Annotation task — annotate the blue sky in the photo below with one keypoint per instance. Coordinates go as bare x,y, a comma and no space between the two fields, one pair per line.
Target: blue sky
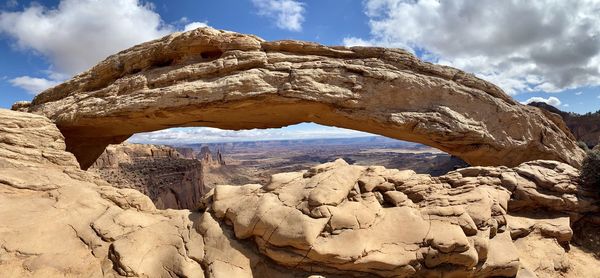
539,50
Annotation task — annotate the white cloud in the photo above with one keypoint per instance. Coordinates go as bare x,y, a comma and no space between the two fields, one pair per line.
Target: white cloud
578,93
288,14
566,105
33,85
353,41
521,46
194,25
208,134
554,101
79,33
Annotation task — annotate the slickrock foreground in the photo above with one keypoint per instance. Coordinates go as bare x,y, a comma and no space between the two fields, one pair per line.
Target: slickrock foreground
208,77
334,220
57,220
375,221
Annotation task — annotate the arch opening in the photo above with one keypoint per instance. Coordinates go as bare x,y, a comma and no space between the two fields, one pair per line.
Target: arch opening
88,140
177,167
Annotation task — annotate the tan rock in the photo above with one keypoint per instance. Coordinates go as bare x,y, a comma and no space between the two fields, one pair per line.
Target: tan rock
208,77
455,225
160,172
552,226
60,221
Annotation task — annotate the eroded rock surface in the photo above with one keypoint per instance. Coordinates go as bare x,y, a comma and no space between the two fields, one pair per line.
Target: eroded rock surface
342,218
208,77
60,221
585,128
333,220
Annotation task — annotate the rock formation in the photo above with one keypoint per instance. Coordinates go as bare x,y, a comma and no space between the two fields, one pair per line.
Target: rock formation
207,77
207,157
340,218
220,158
334,220
585,127
160,172
186,152
60,221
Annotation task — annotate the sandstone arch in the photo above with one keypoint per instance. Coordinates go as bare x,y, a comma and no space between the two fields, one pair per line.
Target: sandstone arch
208,77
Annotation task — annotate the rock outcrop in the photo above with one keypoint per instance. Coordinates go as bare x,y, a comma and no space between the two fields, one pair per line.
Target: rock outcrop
334,220
207,77
60,221
160,172
585,128
207,157
365,221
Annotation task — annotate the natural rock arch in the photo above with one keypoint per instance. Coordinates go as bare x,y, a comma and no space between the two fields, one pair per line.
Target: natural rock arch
208,77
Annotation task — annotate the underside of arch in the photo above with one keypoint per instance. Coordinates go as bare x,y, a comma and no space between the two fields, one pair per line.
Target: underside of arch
207,77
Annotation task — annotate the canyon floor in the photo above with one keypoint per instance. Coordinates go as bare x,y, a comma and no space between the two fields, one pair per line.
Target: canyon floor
255,162
178,176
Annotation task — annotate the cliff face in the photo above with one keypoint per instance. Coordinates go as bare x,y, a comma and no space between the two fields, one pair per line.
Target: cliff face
160,172
172,177
585,127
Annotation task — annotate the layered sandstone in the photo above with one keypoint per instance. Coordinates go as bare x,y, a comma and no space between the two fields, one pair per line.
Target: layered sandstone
333,220
207,77
60,221
160,172
373,221
585,128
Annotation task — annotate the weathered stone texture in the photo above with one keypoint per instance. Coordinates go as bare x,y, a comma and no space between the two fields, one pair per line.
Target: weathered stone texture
208,77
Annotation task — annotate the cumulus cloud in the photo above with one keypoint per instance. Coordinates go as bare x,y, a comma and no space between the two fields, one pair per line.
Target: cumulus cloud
288,14
521,46
194,25
77,34
210,135
554,101
33,85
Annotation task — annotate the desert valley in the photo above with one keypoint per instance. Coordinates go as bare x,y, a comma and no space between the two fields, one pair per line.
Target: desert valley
178,176
450,177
